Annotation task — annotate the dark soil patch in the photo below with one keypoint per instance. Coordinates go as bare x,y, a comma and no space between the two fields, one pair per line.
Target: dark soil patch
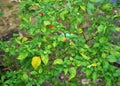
9,35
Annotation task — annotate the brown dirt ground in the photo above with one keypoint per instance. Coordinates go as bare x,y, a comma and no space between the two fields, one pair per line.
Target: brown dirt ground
9,21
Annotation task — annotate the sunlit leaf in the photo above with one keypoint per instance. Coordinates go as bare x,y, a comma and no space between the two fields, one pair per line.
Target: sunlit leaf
63,13
25,76
36,61
24,39
22,56
45,59
106,7
43,30
58,61
72,72
78,63
54,44
94,64
65,71
83,8
103,40
117,29
84,56
80,30
33,72
46,23
71,58
25,19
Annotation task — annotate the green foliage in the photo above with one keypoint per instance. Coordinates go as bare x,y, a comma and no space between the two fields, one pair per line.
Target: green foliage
66,34
1,13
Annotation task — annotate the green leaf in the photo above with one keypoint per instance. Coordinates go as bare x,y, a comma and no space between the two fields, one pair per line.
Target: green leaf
45,59
25,76
58,61
117,73
78,63
101,28
115,53
112,58
103,40
46,23
24,39
108,82
107,7
116,16
1,13
22,56
40,70
33,73
88,72
117,29
66,71
90,8
83,63
104,55
83,7
54,44
80,30
72,72
94,76
106,65
43,30
96,1
62,14
84,56
2,78
25,19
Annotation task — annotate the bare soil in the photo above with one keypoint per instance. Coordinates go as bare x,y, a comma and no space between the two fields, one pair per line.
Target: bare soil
9,21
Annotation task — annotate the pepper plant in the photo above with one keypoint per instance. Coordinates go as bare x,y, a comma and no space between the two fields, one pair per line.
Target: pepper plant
65,37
